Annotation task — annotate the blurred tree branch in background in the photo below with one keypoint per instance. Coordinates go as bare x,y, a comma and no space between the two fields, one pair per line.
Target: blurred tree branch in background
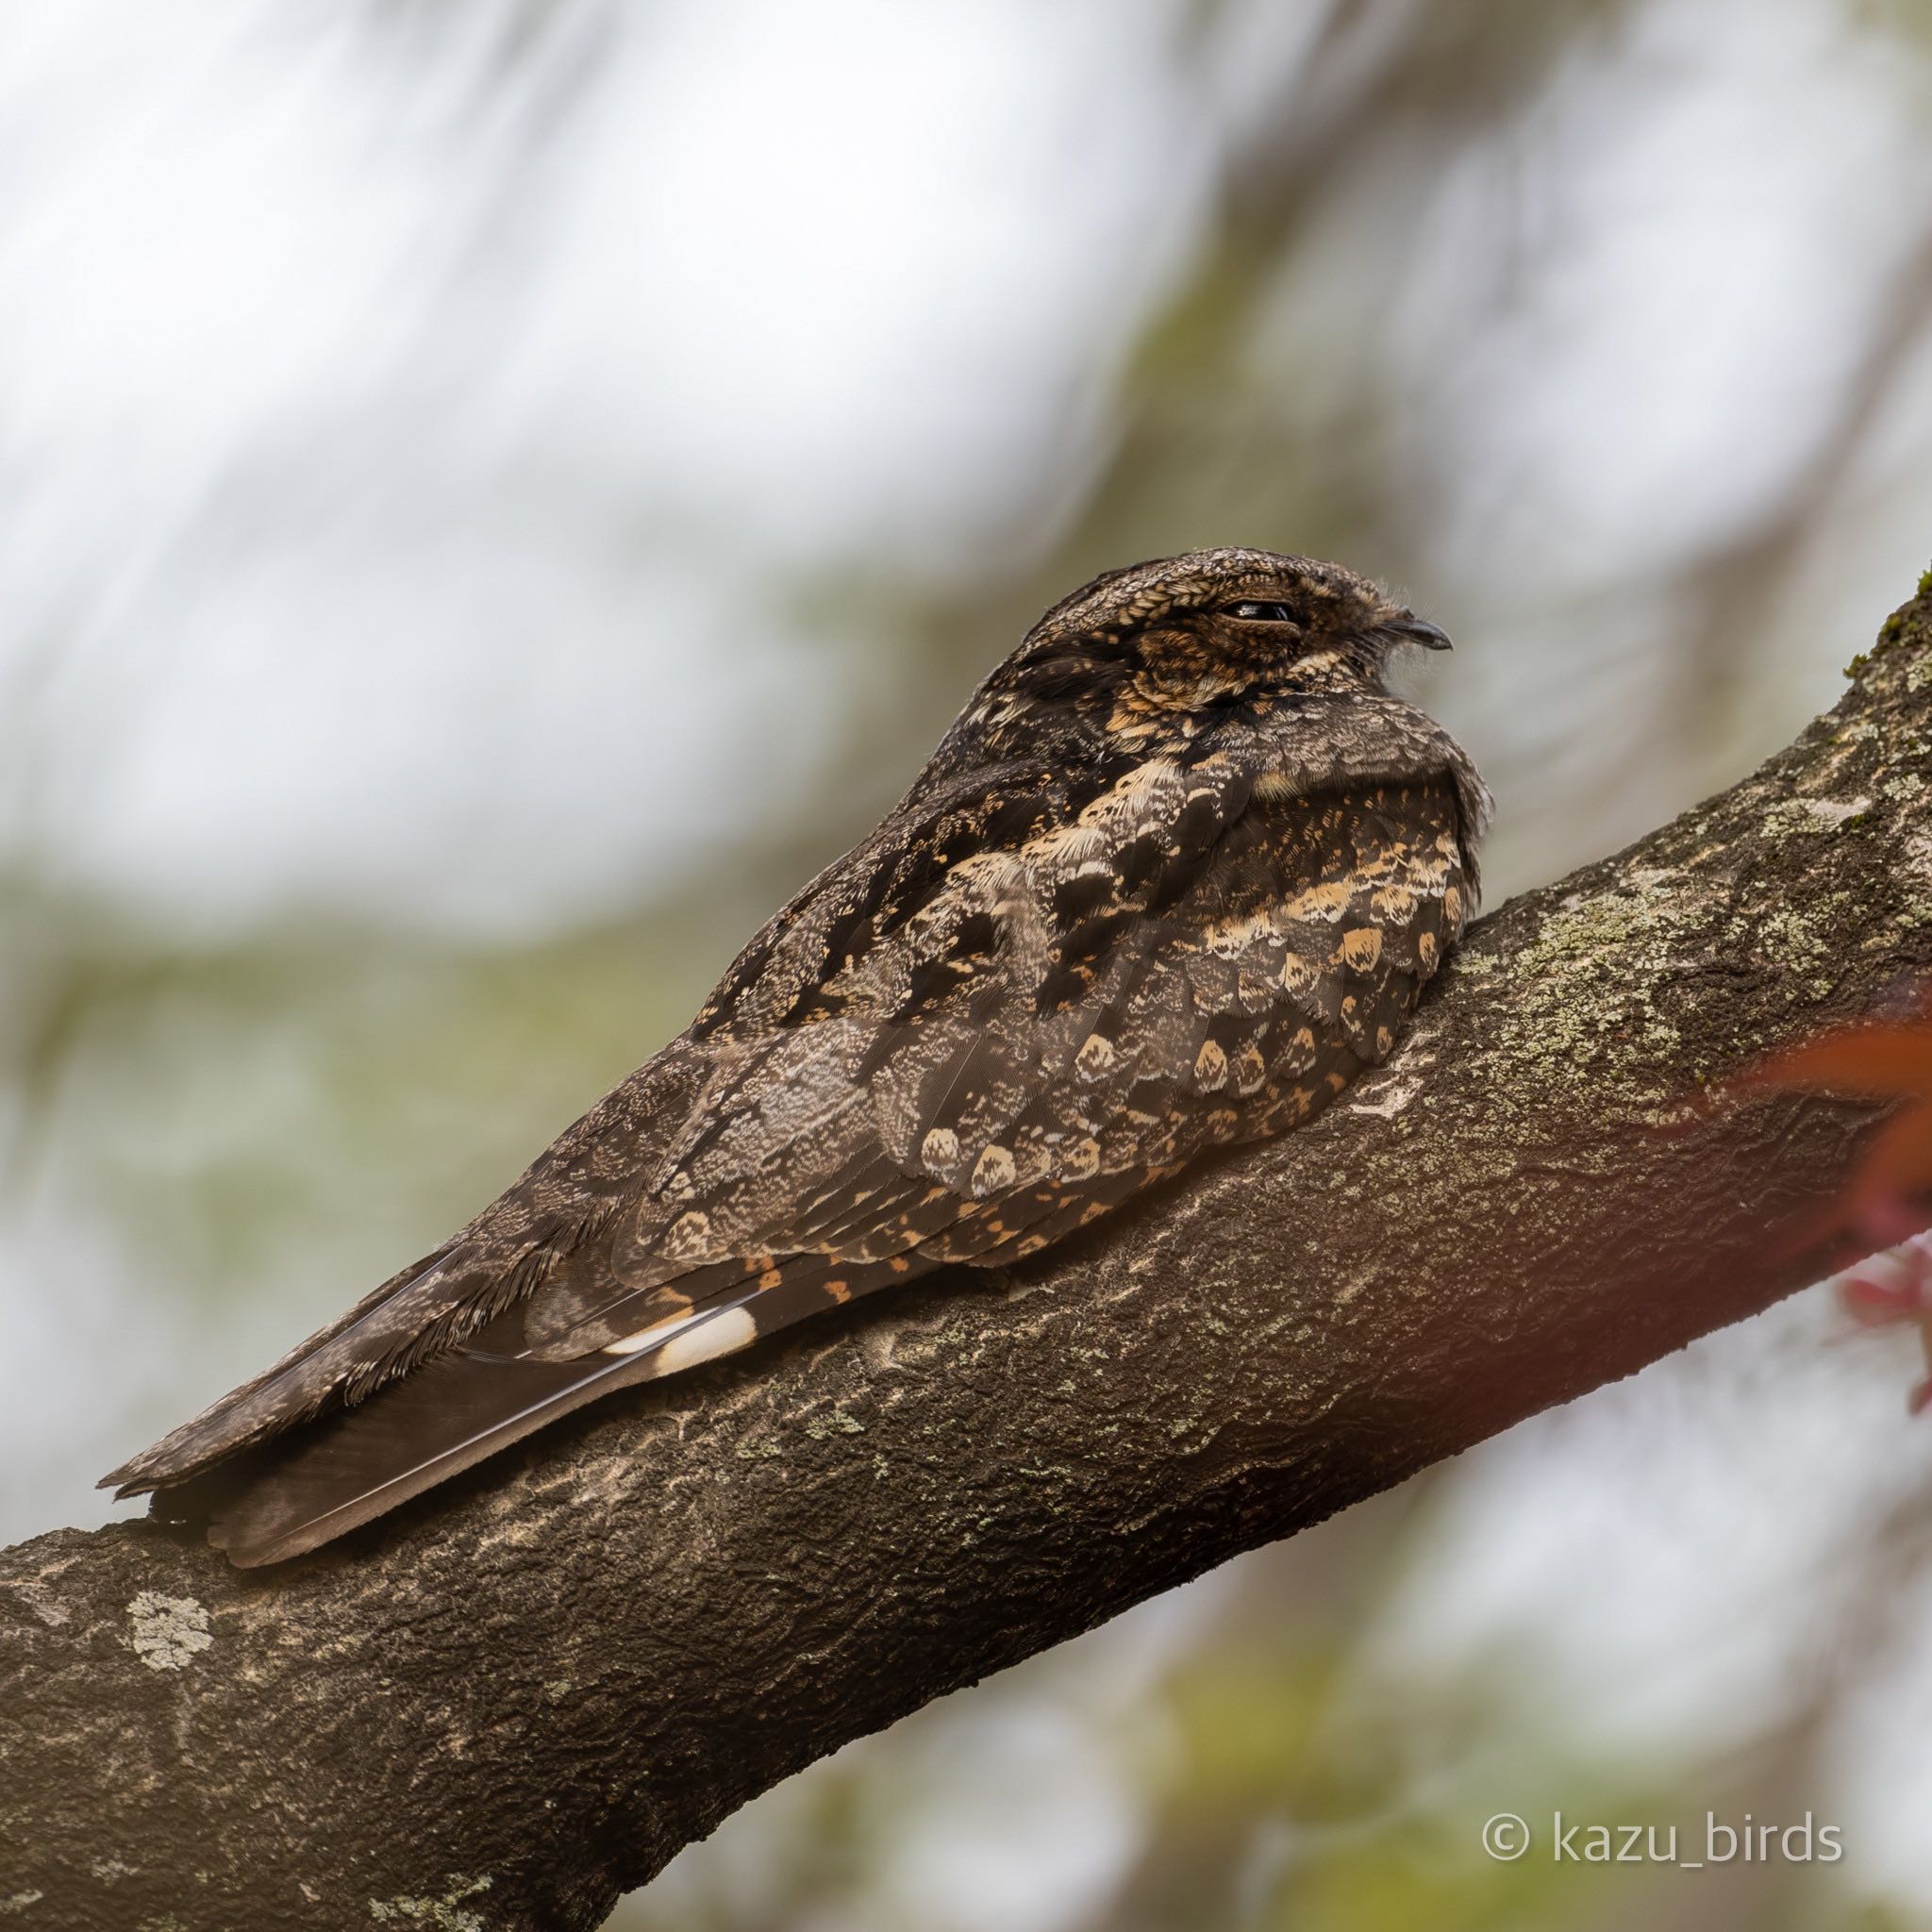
511,1706
1729,596
1225,418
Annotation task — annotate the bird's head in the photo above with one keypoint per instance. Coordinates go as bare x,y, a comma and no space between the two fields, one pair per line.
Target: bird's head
1160,651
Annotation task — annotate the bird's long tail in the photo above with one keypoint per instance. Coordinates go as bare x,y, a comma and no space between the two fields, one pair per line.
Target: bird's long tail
307,1487
298,1490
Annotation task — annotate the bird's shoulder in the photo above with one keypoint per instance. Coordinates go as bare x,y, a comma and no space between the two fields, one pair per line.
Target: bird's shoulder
992,877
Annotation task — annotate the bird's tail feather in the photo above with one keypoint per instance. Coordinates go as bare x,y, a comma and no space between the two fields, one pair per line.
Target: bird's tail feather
306,1489
410,1309
297,1491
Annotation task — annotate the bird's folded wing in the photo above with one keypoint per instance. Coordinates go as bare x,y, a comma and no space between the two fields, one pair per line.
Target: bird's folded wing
1048,1028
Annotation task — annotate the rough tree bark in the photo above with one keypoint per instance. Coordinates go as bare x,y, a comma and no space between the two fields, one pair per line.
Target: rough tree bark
519,1698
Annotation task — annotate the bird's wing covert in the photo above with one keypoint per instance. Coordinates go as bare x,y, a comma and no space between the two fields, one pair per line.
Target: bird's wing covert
1059,1021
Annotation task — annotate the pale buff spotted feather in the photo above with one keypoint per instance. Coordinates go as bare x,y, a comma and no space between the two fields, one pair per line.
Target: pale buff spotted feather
1176,876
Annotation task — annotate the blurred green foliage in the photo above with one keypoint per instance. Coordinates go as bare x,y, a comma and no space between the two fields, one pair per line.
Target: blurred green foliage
253,1128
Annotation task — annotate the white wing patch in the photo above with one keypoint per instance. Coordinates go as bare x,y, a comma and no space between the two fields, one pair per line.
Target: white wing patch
691,1339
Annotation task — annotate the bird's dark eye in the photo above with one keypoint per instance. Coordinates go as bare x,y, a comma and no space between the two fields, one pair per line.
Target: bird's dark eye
1261,613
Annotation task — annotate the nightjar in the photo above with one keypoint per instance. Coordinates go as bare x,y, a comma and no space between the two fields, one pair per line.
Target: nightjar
1180,872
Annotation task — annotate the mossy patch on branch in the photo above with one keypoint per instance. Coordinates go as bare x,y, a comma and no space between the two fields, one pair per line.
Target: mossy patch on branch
1586,1014
445,1913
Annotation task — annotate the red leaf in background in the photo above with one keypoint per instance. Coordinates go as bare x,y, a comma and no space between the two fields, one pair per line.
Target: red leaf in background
1883,1060
1886,1200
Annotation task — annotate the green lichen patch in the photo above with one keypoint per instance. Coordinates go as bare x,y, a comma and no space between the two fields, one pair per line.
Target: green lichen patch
1918,854
1813,817
1588,1017
838,1423
169,1631
1801,939
444,1914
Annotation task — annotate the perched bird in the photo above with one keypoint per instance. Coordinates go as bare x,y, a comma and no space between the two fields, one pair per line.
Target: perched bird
1175,877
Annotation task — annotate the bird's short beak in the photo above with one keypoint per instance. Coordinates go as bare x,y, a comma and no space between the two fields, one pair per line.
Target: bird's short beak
1419,630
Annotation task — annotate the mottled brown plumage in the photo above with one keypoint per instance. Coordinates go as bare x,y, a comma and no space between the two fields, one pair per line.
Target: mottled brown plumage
1178,873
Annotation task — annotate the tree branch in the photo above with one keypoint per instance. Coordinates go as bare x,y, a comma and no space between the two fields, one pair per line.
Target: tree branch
517,1698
